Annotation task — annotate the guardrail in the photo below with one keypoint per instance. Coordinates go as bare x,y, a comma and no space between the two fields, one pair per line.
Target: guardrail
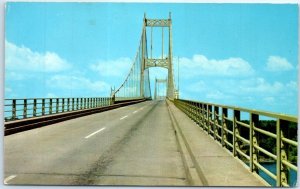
16,109
14,126
247,139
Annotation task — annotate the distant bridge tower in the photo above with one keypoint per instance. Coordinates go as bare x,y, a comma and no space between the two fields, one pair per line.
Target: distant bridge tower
156,89
164,62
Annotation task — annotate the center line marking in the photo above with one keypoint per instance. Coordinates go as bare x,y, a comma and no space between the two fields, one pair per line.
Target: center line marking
9,178
95,132
123,117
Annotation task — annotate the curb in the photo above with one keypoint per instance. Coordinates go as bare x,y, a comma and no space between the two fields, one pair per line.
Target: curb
194,174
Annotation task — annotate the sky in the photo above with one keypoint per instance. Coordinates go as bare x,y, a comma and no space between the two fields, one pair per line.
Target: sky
234,54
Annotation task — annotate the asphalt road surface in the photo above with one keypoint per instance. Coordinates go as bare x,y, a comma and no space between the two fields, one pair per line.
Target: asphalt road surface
133,145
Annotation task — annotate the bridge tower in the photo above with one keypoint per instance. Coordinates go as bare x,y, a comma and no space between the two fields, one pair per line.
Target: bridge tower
156,89
164,62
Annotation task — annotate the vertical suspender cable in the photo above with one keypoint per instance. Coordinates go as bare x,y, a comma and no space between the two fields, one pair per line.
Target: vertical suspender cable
162,53
151,40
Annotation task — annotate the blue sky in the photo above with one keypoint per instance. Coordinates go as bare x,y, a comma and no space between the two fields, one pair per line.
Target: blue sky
235,54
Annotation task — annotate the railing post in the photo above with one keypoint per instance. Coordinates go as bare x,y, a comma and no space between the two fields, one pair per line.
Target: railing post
14,109
235,142
34,108
281,169
50,106
63,105
68,104
224,126
194,111
43,106
84,103
77,103
25,109
254,120
205,116
216,121
57,105
198,113
209,117
72,102
73,105
190,110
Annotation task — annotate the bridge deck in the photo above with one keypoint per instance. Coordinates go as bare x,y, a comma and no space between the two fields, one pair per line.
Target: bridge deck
133,145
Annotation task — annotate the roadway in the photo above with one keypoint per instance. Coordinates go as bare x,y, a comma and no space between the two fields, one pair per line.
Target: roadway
132,145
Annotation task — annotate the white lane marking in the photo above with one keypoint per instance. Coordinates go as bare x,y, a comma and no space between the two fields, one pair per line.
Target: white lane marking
135,111
9,178
95,132
123,117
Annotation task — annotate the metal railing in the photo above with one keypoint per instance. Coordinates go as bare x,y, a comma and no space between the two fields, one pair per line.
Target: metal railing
246,139
16,109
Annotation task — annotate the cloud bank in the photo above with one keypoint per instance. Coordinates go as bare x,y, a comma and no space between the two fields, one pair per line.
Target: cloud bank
277,63
23,58
199,65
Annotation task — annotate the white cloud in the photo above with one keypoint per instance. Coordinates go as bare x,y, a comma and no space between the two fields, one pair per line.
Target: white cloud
77,82
200,65
113,68
24,59
259,85
292,85
247,90
277,63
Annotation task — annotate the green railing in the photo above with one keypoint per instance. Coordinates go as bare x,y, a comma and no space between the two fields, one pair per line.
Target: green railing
33,107
246,138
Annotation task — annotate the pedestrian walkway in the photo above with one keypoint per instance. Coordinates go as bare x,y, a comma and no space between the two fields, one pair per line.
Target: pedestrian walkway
214,164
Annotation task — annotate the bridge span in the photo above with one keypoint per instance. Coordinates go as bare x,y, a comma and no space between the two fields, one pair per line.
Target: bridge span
149,143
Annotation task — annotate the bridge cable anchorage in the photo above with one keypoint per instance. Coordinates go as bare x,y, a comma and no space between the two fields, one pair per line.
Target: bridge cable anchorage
137,83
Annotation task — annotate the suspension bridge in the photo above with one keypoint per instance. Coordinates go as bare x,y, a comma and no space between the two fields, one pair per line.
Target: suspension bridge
131,139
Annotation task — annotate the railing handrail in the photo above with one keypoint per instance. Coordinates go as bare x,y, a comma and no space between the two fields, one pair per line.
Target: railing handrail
282,116
226,129
23,108
50,98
